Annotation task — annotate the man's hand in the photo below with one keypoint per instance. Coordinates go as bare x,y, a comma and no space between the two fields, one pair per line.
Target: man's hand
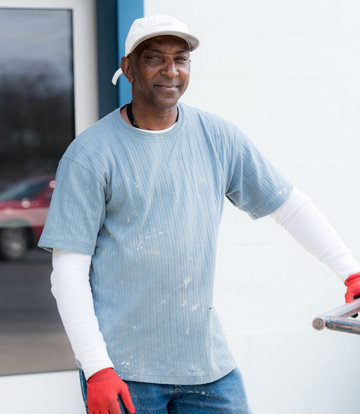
103,389
353,287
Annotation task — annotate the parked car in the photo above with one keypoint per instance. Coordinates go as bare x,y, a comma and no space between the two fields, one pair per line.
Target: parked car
23,210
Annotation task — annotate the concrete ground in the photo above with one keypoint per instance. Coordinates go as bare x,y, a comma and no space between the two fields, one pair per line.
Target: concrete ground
32,338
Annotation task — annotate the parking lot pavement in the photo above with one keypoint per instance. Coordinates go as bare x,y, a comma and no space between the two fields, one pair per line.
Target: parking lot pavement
32,338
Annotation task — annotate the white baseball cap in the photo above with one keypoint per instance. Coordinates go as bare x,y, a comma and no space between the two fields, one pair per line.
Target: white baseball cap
155,25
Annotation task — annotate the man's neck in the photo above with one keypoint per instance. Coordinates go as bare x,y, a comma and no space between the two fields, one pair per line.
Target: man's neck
151,118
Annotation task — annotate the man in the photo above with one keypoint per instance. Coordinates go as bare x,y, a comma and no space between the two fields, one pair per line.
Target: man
137,204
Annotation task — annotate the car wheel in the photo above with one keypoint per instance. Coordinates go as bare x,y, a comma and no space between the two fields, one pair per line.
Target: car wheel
13,242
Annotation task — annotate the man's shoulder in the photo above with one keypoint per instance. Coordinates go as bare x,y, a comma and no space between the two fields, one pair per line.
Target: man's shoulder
104,127
210,119
220,130
94,139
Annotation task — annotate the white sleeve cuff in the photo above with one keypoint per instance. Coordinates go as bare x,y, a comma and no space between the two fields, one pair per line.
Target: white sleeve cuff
94,360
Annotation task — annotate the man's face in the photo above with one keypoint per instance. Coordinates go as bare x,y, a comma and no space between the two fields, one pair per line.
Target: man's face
160,71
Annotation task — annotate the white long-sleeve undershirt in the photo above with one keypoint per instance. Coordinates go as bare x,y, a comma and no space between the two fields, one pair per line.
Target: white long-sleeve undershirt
70,283
70,286
310,228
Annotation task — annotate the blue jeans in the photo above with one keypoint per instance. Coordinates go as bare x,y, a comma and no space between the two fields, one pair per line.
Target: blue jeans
224,396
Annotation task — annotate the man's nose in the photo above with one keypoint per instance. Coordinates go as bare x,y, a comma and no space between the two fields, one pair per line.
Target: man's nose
170,69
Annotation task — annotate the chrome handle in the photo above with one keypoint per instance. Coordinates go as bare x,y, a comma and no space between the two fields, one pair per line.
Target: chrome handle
338,319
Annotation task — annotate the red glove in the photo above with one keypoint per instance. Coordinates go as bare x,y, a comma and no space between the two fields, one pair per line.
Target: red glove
103,389
353,287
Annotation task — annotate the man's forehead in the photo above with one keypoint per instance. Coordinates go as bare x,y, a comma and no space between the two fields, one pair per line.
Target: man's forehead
164,43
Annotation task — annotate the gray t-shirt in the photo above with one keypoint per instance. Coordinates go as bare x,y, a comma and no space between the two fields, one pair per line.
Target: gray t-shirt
148,208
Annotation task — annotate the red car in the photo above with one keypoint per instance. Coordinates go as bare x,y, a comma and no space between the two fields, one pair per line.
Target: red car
23,210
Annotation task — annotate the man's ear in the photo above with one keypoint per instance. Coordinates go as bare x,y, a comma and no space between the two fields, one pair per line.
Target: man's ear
126,68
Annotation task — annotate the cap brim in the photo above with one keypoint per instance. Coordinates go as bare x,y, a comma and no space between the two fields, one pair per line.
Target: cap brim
192,41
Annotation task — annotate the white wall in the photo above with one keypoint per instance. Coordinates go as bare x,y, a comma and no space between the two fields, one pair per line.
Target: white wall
55,393
287,72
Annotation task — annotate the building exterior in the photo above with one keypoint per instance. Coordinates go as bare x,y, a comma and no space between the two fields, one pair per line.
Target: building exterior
287,74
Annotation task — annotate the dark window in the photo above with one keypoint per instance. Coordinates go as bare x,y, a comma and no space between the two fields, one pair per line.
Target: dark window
36,126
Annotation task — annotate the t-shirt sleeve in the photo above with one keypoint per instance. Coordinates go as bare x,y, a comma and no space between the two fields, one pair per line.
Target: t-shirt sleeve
253,184
76,211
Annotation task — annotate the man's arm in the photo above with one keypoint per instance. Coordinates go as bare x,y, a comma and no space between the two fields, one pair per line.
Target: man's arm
309,227
71,288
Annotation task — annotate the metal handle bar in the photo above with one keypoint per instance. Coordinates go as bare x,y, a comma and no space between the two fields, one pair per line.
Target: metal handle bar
337,319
